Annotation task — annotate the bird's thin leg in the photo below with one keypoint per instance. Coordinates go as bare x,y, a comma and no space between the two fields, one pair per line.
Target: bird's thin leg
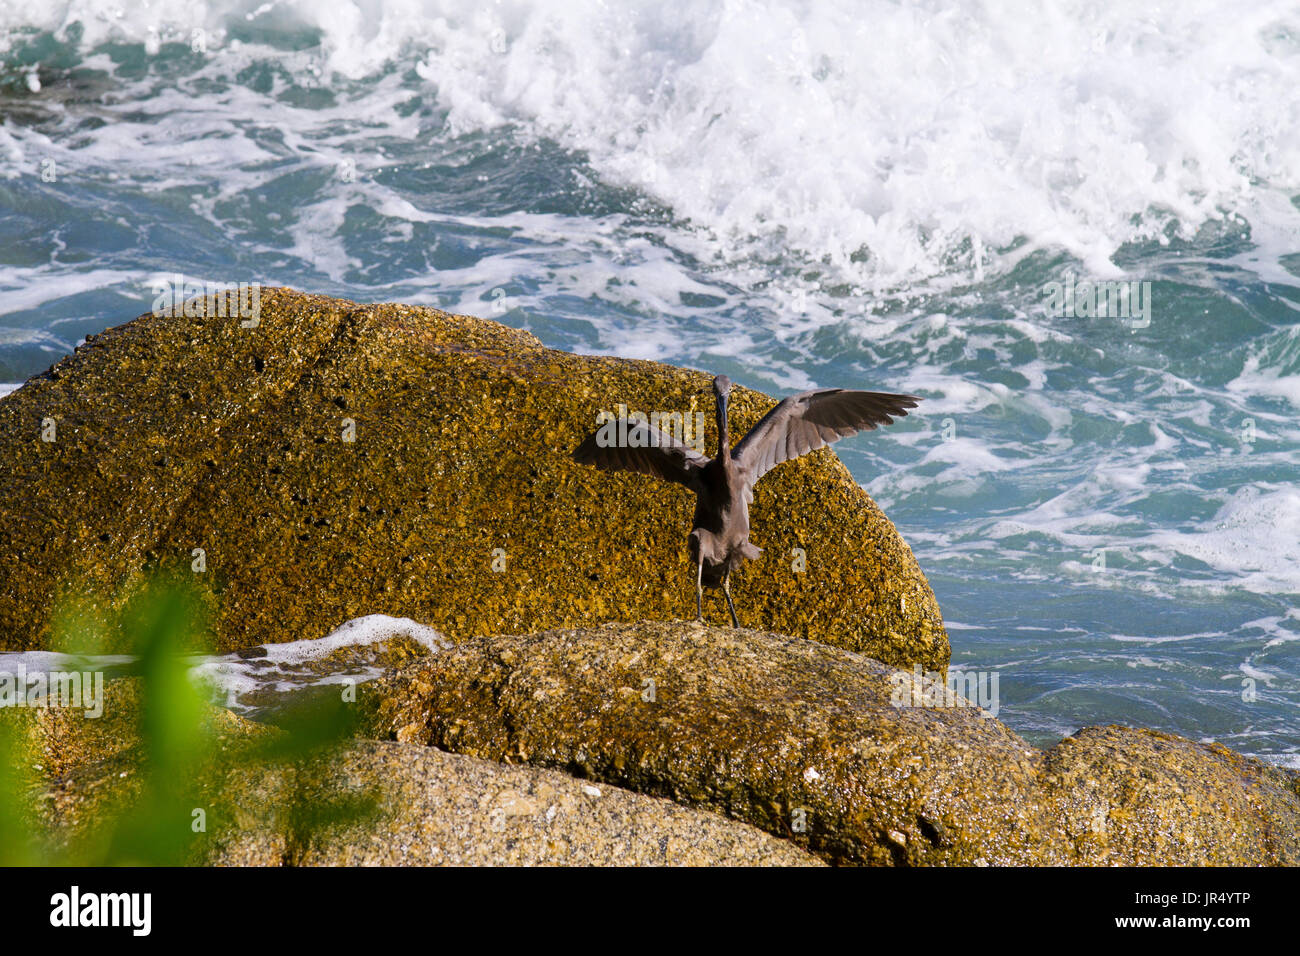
699,590
726,589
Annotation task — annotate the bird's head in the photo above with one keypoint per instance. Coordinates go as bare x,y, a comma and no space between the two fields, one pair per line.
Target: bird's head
722,395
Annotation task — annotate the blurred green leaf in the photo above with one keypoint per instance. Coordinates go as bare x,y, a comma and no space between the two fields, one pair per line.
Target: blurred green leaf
179,766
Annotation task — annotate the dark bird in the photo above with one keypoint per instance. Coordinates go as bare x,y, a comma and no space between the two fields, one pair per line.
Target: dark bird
724,485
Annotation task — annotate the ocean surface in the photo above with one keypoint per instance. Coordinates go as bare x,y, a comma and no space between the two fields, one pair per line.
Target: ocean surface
859,194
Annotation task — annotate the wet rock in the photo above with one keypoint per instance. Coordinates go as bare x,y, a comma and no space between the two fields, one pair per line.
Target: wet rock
797,738
806,742
1133,797
52,742
340,459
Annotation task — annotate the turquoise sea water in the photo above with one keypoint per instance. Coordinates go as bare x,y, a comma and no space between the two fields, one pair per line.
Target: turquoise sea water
862,195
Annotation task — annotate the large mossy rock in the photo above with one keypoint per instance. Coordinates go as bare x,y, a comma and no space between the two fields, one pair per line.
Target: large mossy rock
342,459
797,738
809,742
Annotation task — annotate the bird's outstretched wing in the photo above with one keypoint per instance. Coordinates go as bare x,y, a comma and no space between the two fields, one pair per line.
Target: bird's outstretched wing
646,450
812,420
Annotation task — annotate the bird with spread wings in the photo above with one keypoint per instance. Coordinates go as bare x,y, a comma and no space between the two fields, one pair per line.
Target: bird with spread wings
724,485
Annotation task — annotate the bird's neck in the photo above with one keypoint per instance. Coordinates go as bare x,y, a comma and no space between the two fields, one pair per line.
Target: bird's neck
724,439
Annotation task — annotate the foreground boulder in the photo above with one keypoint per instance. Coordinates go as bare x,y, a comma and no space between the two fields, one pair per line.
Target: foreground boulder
796,738
1134,797
339,459
806,742
446,809
430,809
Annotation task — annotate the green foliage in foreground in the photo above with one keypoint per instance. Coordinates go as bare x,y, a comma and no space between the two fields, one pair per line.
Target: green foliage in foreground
186,783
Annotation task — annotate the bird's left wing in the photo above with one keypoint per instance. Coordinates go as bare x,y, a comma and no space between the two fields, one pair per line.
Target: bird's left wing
812,420
644,449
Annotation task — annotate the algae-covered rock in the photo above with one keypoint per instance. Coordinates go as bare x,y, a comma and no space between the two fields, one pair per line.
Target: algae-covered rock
800,739
432,808
336,459
52,742
806,741
1143,798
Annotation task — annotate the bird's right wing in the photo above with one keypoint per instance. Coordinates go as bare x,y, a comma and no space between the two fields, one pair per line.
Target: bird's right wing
647,450
811,420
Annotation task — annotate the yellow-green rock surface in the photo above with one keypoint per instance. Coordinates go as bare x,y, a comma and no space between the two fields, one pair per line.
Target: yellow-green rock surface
52,742
808,742
340,459
1135,797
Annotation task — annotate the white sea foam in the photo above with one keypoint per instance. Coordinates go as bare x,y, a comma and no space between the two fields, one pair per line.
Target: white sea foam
836,127
932,135
286,667
45,662
1259,378
1254,539
274,669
